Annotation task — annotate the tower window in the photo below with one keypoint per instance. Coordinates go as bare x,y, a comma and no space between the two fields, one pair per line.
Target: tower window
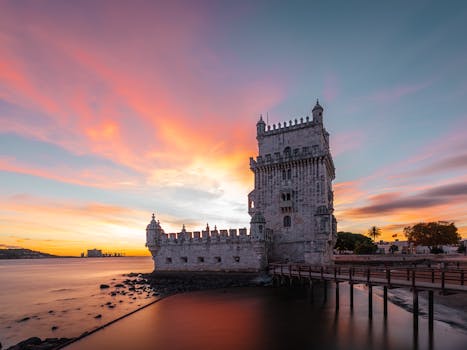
201,259
168,260
184,259
288,196
217,259
284,175
260,227
287,151
289,174
236,259
287,221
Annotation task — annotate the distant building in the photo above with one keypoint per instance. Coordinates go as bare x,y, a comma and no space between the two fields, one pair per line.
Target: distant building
94,253
291,208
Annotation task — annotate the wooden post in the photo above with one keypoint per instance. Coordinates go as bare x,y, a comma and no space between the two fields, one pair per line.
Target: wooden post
312,291
442,280
430,318
432,275
385,301
325,285
351,296
462,277
370,301
337,295
415,310
430,310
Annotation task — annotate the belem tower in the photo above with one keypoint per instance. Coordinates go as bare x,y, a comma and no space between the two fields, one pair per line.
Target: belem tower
291,208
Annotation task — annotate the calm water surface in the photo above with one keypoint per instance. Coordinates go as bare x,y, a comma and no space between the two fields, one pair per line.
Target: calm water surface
64,293
267,318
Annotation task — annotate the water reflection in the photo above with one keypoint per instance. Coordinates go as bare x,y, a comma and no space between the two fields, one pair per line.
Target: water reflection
279,318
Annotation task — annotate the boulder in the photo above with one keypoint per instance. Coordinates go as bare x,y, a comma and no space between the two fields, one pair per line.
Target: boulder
103,286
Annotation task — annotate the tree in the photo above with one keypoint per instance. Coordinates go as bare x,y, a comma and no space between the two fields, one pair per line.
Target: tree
365,247
393,248
374,232
349,241
432,234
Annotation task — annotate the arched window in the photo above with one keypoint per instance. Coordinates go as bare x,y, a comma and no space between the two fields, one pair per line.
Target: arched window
289,174
287,221
287,151
284,175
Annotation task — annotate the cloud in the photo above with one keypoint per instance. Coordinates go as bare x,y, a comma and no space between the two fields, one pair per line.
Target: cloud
395,93
393,202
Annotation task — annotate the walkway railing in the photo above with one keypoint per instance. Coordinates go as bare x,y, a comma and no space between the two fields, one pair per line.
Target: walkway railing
422,278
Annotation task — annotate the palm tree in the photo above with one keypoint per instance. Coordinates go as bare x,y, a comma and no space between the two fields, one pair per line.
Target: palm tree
374,232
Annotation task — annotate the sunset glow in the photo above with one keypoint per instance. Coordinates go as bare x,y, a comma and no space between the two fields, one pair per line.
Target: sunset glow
112,110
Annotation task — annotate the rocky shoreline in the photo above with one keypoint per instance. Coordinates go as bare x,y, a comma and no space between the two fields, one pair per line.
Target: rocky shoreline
155,285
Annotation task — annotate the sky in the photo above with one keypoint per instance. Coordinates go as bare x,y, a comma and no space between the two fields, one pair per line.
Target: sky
112,110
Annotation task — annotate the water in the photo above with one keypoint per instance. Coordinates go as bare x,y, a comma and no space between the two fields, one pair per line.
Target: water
244,318
267,318
64,293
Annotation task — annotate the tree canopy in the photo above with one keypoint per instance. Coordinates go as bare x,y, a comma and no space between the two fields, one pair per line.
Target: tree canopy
374,232
432,234
355,242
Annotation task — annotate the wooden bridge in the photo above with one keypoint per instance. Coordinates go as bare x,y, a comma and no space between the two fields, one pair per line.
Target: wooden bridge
416,278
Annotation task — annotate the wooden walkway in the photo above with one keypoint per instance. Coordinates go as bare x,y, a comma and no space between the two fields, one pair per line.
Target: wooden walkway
420,278
415,278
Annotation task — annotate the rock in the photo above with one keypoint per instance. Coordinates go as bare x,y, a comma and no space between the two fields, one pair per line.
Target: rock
111,306
113,294
54,328
28,342
108,303
119,285
98,316
103,286
51,311
24,319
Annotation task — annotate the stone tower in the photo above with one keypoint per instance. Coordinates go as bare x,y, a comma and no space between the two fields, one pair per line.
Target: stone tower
293,189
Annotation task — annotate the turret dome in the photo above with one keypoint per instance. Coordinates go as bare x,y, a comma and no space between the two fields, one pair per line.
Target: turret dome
317,106
258,218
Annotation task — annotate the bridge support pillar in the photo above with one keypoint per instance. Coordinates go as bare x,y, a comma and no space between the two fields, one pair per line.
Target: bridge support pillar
337,295
430,318
415,308
311,292
385,301
325,286
351,296
370,301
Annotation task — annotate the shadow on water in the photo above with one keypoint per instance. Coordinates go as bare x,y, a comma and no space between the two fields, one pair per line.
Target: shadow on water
271,318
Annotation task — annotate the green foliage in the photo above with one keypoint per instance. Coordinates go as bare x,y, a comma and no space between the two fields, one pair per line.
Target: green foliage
349,240
432,234
365,247
374,232
393,248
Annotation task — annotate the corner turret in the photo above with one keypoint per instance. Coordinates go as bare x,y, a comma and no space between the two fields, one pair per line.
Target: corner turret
318,113
260,127
154,232
257,226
